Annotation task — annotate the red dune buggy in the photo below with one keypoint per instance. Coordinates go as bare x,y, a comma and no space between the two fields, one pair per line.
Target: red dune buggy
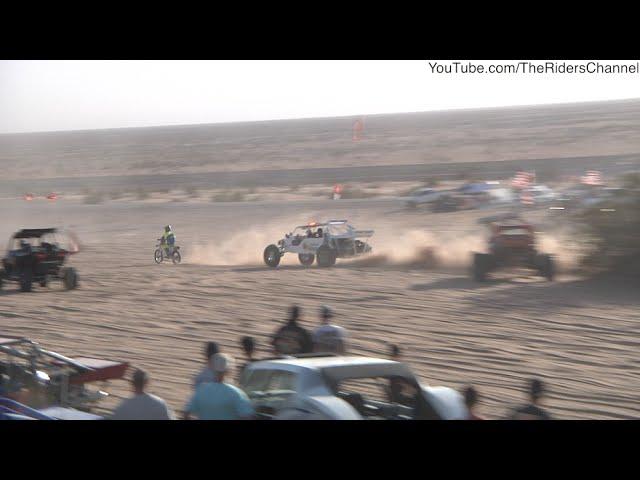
512,244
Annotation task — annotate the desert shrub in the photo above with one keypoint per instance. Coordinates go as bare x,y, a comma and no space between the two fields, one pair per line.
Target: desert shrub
234,196
94,198
354,193
630,180
191,191
116,194
431,182
142,194
610,231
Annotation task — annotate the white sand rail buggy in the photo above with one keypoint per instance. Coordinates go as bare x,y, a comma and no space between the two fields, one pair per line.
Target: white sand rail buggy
323,242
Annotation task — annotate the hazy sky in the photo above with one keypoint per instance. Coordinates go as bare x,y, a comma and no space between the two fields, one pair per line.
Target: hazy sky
70,95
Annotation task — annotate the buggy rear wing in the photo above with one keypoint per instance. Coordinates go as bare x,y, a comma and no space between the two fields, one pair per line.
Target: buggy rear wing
86,369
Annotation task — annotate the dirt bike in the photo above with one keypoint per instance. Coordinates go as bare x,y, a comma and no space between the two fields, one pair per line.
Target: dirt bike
160,254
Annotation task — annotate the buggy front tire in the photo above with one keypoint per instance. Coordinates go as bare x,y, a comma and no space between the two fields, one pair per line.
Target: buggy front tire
546,266
481,266
272,256
306,259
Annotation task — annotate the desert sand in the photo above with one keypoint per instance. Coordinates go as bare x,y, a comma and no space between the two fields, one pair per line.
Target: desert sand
580,334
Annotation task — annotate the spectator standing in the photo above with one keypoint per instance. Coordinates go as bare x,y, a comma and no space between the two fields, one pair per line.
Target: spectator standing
142,406
328,337
248,345
533,410
292,339
206,375
471,399
394,352
218,400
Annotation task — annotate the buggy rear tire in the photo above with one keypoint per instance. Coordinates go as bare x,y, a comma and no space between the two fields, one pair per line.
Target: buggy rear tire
272,256
70,278
157,256
45,281
546,266
176,258
481,266
325,256
26,280
306,259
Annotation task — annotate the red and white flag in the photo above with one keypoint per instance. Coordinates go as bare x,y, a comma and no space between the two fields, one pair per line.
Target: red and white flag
592,177
523,180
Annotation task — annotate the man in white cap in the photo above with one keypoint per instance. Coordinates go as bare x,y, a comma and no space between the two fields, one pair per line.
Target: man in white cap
218,400
327,337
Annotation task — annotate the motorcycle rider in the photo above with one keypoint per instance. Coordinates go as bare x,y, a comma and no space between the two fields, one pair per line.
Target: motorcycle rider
168,239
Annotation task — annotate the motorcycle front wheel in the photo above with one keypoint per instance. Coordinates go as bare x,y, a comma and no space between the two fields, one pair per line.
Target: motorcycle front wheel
158,255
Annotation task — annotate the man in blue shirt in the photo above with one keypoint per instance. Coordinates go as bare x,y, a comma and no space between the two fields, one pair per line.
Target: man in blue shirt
218,400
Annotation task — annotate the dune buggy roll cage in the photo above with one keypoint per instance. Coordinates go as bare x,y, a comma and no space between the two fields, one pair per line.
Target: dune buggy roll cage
63,372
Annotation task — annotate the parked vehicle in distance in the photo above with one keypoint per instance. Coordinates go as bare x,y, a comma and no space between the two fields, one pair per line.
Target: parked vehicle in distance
422,196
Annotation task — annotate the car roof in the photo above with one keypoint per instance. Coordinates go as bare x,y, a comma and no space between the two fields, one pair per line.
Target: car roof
335,369
318,362
33,232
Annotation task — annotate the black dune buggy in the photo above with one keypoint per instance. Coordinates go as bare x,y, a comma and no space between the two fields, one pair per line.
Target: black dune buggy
34,255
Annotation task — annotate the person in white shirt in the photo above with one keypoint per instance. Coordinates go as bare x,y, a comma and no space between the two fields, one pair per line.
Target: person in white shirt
142,406
327,337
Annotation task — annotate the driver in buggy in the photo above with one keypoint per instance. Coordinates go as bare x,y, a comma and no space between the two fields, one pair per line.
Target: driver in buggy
25,247
168,240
